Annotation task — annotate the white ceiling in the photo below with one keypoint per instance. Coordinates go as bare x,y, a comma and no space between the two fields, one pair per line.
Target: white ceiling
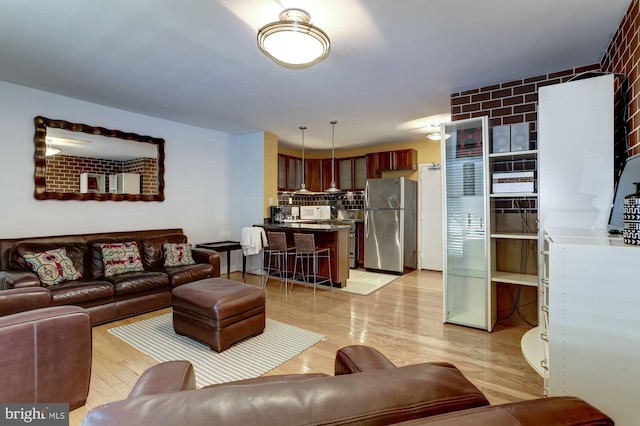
196,61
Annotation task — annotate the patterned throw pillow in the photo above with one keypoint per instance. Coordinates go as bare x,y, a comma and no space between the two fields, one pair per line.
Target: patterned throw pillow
177,254
120,258
52,266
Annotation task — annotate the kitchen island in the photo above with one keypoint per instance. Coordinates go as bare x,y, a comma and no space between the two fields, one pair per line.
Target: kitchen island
333,236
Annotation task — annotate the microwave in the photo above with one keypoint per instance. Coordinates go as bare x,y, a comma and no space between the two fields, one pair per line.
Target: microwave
315,212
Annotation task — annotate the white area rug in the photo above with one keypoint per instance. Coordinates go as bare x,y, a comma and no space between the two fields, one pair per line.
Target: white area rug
249,358
365,282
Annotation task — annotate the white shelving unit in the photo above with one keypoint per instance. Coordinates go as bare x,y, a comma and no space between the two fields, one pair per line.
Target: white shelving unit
506,232
92,182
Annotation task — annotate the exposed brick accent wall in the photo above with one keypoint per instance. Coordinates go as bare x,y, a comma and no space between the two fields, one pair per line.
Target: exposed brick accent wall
148,168
623,57
63,172
511,102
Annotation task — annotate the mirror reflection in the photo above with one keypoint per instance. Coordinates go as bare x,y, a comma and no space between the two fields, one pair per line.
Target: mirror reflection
80,162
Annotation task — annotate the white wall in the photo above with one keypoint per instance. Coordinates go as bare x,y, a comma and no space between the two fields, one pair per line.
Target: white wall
204,172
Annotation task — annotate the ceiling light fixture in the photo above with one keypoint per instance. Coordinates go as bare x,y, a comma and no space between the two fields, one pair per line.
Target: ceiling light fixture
333,188
303,188
292,41
434,133
52,150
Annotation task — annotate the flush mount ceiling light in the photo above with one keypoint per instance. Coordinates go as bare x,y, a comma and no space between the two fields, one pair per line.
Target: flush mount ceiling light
434,133
333,188
303,188
292,41
52,150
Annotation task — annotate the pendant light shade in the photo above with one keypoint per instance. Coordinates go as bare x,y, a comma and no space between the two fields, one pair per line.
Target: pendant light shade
292,41
333,187
303,188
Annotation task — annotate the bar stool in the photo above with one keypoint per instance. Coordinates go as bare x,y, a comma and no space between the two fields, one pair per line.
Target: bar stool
278,252
308,253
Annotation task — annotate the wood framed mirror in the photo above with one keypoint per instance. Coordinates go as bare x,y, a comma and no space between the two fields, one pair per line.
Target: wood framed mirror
79,162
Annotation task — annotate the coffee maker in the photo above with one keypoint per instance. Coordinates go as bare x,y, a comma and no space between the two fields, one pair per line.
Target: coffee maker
277,214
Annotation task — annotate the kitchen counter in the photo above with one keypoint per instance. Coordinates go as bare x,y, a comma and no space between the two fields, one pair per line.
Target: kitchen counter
332,235
316,226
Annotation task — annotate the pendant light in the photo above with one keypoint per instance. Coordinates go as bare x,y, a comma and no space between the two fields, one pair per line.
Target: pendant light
333,188
303,188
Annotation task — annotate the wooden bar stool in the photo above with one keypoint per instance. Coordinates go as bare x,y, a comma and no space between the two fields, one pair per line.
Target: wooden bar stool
309,255
278,252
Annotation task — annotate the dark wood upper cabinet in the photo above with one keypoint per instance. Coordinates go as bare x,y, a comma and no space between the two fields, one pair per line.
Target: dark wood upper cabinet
282,173
359,173
327,173
405,159
289,173
345,167
313,175
351,173
378,162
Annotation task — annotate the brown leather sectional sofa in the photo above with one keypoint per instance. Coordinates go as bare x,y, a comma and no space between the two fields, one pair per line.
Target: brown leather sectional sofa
367,389
108,298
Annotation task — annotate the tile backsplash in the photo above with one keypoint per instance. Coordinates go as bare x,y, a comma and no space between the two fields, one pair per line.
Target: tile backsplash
352,200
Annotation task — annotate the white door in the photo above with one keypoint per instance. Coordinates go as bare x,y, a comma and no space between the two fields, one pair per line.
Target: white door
430,221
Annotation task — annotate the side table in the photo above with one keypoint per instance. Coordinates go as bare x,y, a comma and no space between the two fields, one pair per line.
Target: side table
228,247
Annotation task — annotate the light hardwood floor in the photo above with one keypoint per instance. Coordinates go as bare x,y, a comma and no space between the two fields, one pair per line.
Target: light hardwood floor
403,320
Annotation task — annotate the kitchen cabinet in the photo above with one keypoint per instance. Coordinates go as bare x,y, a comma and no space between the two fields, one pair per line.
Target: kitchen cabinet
345,170
359,173
378,162
289,173
360,243
467,291
327,173
405,159
282,172
313,175
333,237
352,173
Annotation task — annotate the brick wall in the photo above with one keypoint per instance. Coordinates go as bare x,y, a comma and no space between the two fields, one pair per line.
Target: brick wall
623,57
63,172
511,102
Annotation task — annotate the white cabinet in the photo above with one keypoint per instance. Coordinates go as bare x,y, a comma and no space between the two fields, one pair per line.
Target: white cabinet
575,190
124,183
467,291
91,182
594,324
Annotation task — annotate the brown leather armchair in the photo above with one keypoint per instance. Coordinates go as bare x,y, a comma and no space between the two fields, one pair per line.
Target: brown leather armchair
45,351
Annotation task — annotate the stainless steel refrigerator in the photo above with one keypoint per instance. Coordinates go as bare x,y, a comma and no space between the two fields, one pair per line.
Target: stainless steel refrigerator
390,225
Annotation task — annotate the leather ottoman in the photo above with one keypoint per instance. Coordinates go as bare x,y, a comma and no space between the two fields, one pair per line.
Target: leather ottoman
218,312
